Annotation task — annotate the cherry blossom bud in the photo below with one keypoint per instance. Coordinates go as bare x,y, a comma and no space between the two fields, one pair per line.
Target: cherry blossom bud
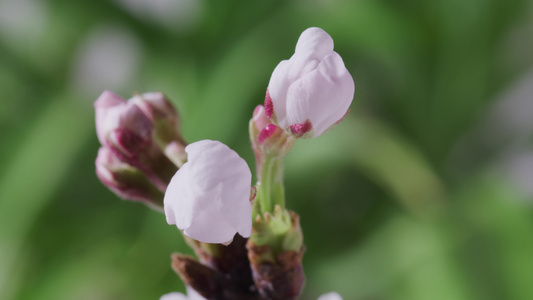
114,114
330,296
126,181
125,129
166,122
157,108
209,197
312,91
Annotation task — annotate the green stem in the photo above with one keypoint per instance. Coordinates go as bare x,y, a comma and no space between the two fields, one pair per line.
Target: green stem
271,191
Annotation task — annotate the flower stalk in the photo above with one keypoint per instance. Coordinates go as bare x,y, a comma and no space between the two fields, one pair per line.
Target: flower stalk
271,191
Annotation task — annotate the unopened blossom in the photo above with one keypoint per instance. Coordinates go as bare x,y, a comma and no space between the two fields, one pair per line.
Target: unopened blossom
312,91
121,123
209,197
166,123
130,130
149,117
157,107
125,180
330,296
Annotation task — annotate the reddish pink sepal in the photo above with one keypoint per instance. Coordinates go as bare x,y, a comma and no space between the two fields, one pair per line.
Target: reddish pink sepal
267,132
269,107
300,129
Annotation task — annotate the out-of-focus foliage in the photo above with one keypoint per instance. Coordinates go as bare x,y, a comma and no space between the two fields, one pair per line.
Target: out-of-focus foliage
423,192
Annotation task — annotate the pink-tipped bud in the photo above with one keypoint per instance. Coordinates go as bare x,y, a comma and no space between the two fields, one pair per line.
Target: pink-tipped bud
125,180
129,129
157,107
165,120
127,144
119,121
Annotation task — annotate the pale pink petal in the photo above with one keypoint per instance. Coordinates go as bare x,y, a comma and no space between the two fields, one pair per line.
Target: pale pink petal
113,112
208,198
330,296
178,210
260,118
322,96
174,296
315,40
156,106
102,105
277,88
104,161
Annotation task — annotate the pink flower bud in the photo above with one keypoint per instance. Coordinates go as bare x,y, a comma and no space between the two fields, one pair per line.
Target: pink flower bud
311,91
124,180
121,124
156,107
209,197
130,132
163,116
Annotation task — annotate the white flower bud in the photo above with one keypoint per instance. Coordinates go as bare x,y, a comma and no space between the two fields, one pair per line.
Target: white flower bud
312,91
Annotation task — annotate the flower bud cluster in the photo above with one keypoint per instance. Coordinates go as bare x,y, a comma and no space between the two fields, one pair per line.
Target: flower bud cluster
142,146
207,186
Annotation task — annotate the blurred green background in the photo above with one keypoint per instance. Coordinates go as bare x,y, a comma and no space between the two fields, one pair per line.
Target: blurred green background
423,192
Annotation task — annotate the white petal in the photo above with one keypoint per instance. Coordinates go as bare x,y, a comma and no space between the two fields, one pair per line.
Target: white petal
156,106
177,210
312,85
208,197
330,296
277,88
322,96
316,41
174,296
260,118
285,74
